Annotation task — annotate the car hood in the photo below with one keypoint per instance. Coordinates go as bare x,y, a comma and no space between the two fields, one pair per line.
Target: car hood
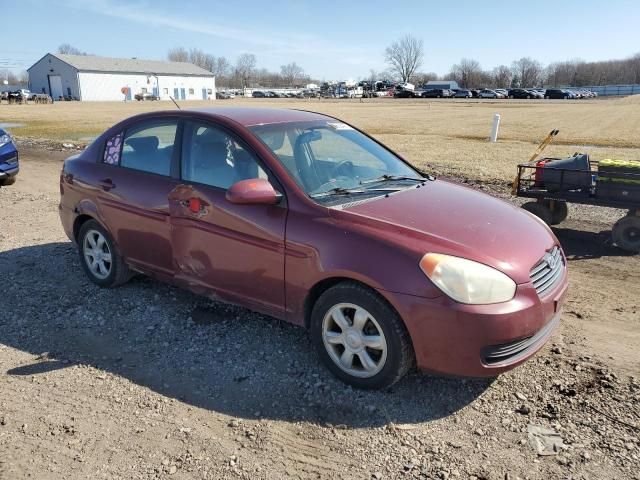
445,217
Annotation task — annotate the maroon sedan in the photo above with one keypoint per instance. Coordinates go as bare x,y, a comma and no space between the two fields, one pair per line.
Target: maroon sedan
303,217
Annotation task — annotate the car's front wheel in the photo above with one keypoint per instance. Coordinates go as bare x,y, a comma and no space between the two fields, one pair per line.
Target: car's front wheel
99,257
360,338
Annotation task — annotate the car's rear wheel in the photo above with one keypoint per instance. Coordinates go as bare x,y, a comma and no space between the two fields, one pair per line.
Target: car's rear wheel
360,338
99,257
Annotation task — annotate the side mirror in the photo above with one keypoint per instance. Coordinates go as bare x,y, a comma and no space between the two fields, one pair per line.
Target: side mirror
254,191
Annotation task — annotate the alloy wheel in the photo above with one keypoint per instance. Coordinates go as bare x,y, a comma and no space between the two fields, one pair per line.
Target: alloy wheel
354,340
97,254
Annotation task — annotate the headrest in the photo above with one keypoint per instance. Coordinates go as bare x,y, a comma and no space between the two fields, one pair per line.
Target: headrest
274,140
210,136
143,144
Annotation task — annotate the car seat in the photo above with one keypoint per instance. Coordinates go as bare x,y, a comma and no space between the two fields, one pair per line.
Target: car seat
209,160
145,155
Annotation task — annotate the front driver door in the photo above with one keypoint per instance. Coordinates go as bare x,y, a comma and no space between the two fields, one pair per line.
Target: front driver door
234,252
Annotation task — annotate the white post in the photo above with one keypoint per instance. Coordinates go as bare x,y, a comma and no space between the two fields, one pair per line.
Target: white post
494,129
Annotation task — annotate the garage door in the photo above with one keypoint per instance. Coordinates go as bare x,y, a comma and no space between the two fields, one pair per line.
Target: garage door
55,86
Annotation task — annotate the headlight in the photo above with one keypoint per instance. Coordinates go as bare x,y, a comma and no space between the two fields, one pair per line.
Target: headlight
4,139
467,281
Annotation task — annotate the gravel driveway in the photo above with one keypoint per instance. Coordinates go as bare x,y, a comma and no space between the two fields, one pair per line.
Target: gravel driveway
148,381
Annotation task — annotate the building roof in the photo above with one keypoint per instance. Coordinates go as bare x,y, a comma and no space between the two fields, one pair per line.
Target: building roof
92,63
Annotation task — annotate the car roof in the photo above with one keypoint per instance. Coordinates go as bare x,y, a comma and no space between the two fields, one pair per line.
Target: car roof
249,116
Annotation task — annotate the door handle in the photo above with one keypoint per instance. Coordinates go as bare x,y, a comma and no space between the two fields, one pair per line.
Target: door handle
106,184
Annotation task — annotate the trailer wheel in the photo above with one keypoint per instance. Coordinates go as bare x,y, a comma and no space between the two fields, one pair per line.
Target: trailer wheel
626,233
559,211
540,210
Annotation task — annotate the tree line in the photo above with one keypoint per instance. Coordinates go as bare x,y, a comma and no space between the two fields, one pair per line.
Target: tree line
244,72
405,56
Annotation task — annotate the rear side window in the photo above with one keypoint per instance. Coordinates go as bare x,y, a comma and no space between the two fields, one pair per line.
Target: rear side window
112,150
150,147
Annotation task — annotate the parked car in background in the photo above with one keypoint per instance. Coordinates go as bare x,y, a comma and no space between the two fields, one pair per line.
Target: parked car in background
556,93
487,93
475,92
404,94
303,217
521,93
258,94
9,165
502,91
462,93
145,96
535,93
271,94
437,93
223,96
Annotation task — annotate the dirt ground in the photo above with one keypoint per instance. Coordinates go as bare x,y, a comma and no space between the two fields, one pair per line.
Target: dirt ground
147,381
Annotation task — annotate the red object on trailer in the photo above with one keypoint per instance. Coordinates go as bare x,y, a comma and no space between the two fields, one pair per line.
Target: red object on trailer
539,171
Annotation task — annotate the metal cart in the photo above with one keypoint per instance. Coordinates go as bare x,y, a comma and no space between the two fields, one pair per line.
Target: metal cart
553,188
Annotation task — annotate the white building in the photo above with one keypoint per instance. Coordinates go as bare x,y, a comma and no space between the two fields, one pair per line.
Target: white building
87,77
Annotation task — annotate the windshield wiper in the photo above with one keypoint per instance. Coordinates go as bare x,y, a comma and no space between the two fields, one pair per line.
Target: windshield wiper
352,191
393,178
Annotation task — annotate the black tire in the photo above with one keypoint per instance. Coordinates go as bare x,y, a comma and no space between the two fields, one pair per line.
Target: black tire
539,210
400,356
119,272
559,211
626,233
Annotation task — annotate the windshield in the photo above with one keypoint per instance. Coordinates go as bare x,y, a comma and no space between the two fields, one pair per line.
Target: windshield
325,156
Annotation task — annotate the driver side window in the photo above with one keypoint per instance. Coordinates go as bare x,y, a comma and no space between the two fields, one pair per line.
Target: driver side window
213,157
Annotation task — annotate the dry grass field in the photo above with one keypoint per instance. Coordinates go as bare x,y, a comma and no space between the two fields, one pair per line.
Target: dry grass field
448,136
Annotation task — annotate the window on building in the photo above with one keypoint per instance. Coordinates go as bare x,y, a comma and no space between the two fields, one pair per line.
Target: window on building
149,147
165,91
213,157
191,91
143,90
209,91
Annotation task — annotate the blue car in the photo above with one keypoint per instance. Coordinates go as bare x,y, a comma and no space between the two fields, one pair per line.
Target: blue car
8,159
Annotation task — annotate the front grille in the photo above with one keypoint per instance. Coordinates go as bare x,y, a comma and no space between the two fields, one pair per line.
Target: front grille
548,271
512,351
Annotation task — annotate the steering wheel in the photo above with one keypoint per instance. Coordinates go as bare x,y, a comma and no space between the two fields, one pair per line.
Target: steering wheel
343,164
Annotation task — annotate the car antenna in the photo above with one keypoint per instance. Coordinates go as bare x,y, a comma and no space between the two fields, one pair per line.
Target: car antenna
174,102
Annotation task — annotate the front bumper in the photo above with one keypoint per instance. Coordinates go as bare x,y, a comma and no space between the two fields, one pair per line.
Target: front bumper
9,166
479,340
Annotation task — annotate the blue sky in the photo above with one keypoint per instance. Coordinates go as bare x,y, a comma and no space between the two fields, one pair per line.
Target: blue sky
329,39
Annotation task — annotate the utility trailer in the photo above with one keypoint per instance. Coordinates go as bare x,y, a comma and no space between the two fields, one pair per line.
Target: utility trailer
552,183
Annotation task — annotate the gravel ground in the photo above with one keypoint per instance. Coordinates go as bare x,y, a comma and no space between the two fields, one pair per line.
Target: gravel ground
148,381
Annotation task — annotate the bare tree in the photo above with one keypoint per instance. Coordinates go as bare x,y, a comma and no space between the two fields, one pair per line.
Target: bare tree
291,72
467,72
245,67
502,76
421,78
68,49
178,54
528,72
404,56
221,67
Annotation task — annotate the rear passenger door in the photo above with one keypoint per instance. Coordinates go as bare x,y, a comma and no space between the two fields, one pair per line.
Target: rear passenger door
136,176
